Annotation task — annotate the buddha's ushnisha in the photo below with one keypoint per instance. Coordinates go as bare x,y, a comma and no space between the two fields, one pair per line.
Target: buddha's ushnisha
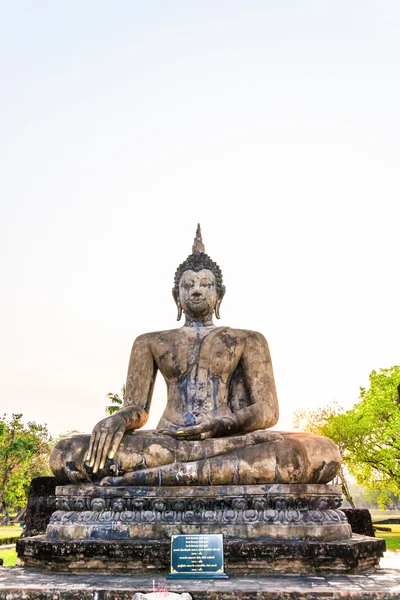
221,402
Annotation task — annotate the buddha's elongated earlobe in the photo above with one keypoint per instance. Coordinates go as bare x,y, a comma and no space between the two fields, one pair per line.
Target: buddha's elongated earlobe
175,295
178,317
218,304
216,309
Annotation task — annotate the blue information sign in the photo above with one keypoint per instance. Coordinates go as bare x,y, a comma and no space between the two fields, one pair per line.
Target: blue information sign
197,557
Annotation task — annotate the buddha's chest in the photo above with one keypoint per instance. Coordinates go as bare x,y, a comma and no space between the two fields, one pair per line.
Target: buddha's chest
185,358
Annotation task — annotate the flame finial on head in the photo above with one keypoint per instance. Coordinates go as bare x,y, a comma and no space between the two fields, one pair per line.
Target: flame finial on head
198,245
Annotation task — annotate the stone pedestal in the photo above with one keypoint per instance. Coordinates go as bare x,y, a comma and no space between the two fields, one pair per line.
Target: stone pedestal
266,528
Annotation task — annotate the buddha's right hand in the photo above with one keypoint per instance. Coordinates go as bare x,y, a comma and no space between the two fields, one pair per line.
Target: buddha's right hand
104,441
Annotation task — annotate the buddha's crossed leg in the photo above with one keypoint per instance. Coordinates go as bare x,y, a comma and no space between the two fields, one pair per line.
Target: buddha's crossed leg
152,458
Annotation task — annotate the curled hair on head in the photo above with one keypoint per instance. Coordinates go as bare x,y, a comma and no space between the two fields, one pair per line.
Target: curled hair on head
197,262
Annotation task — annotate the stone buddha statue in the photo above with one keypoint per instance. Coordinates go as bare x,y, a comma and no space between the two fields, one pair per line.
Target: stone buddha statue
212,466
221,402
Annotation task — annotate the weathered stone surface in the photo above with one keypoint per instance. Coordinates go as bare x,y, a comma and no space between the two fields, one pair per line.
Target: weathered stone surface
275,511
359,520
221,400
241,555
41,505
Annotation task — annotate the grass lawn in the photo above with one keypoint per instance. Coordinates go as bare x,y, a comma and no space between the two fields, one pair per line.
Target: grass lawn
392,538
7,531
9,556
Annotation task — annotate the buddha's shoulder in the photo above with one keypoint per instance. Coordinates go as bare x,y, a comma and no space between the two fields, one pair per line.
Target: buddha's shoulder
181,334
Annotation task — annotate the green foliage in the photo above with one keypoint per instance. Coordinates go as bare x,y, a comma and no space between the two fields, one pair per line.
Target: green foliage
367,435
24,451
117,401
370,431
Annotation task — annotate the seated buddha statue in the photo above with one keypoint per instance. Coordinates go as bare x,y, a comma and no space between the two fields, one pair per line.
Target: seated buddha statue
221,403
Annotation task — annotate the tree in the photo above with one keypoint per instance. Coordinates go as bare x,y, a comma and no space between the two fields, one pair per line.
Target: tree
117,401
372,433
24,451
368,435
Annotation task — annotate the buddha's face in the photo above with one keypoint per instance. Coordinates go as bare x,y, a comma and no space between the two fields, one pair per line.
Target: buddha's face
198,293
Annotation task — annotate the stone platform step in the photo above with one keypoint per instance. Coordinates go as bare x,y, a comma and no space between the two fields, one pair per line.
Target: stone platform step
245,557
28,584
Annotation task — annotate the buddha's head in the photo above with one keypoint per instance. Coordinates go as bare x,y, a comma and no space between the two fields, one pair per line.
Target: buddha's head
198,289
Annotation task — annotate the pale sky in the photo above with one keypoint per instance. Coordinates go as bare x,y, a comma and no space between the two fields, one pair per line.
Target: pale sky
124,123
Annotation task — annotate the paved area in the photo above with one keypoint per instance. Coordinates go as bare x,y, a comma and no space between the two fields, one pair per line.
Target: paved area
15,583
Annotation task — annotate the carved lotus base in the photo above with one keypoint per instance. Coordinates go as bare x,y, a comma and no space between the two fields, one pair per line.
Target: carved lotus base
276,512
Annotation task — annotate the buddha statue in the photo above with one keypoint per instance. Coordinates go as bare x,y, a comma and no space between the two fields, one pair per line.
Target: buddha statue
221,403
